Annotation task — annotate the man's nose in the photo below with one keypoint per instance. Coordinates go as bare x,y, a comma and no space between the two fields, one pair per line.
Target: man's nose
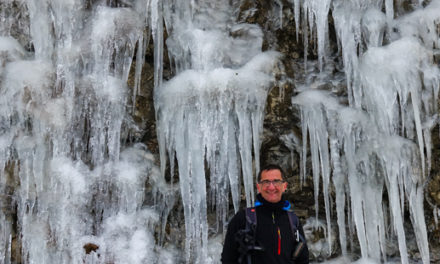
271,185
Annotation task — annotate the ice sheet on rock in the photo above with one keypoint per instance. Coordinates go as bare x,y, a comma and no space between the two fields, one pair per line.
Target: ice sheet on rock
54,212
373,27
319,248
168,255
10,50
201,49
9,11
215,247
421,23
53,203
103,61
34,76
294,144
25,103
100,103
127,238
60,133
135,168
40,28
67,210
115,32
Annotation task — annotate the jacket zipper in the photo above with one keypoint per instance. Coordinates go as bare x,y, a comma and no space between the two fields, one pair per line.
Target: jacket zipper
279,234
279,241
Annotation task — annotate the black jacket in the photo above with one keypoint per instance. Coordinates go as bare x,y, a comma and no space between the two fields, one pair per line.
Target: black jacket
270,217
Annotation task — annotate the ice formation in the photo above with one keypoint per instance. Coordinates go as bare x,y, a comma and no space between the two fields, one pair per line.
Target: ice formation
212,111
381,141
64,173
77,188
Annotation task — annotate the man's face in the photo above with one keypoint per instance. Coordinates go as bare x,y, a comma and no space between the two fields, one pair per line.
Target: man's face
268,188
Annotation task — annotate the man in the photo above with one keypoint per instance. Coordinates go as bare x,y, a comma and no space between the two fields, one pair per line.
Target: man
272,241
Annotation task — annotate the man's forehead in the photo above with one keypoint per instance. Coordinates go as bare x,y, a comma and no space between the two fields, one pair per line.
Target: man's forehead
272,173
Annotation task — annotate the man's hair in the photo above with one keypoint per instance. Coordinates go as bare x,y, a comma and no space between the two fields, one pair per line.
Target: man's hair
270,167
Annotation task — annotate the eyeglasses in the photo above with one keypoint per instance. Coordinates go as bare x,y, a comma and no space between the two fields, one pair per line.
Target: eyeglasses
276,183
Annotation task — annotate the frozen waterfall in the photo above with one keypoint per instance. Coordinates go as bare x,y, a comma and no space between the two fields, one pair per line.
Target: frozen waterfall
78,184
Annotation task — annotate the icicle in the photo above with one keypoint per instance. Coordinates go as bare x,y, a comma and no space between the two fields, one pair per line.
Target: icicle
280,4
436,213
157,33
293,143
389,11
347,24
338,181
315,118
316,13
144,39
297,17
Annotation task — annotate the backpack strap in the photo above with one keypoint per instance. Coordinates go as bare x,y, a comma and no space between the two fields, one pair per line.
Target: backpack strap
251,226
251,218
293,219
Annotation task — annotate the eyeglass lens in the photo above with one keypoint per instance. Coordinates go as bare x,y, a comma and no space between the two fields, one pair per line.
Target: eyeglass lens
274,182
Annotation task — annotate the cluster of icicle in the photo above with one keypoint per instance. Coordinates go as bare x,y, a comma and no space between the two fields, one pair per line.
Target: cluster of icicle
209,115
77,193
380,142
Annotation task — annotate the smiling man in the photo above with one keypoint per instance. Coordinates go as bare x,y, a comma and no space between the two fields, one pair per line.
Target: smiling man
269,233
271,185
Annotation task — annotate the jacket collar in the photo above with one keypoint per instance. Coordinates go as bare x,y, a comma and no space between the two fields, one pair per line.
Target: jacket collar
281,205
